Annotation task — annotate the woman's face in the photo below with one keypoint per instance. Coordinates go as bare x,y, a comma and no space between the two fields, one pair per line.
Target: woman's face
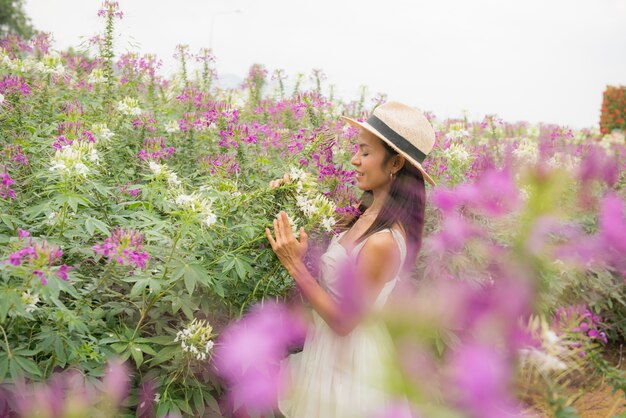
371,174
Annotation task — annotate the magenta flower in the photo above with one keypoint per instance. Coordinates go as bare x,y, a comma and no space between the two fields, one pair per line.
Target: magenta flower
40,259
5,185
155,149
455,232
480,378
110,9
597,165
494,193
14,85
125,247
249,353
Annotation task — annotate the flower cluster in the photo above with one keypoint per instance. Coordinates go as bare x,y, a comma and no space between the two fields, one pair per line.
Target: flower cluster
196,339
110,9
220,163
97,76
195,205
72,160
155,149
527,151
314,206
579,323
129,106
39,259
456,153
162,172
125,247
30,301
14,85
172,127
101,132
5,185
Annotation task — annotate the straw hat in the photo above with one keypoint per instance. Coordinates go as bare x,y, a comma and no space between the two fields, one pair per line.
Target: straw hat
405,129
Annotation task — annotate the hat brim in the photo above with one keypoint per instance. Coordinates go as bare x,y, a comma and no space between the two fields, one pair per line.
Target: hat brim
373,130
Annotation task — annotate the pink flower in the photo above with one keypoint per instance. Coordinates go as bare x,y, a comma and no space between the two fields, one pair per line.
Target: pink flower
481,379
124,246
249,353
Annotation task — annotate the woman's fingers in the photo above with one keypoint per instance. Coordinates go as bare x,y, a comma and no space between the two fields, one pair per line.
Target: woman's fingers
277,231
270,238
287,233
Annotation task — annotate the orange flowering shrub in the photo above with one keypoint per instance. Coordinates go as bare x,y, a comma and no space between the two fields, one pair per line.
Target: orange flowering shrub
613,109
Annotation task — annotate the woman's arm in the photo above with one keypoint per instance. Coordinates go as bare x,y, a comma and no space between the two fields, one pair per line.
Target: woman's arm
378,261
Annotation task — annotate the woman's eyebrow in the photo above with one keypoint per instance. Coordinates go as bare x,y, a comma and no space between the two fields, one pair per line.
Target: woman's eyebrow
361,145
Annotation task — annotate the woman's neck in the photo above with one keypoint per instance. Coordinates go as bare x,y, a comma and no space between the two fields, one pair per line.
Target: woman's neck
378,200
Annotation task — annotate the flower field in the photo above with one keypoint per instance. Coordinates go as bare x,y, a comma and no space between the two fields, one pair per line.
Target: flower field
136,277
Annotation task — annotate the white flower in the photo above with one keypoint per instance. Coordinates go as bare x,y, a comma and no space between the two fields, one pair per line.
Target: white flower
101,132
58,166
172,179
456,152
543,361
93,156
172,126
196,339
30,301
527,151
129,106
328,223
296,174
81,169
96,76
157,397
51,218
155,168
210,219
1,98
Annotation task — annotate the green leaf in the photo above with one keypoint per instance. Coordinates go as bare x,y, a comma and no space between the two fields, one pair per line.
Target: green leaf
137,354
28,365
190,283
119,347
147,349
4,366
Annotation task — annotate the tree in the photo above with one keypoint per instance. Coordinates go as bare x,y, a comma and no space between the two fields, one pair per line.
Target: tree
14,20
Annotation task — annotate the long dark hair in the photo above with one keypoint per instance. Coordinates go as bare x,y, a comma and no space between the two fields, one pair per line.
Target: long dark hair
405,204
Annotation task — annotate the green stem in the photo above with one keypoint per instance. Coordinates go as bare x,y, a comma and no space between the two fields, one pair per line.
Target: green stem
6,341
147,308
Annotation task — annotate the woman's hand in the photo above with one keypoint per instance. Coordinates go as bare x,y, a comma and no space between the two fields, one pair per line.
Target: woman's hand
286,246
276,183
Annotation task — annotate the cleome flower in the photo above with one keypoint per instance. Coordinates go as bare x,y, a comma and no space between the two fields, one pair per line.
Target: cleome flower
316,207
72,160
172,127
39,259
30,301
96,76
124,246
195,339
196,206
129,106
456,152
101,132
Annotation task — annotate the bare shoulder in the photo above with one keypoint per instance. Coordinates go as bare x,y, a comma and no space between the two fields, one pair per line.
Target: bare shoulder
381,245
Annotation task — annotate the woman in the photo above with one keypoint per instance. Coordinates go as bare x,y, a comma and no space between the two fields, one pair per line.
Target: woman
340,372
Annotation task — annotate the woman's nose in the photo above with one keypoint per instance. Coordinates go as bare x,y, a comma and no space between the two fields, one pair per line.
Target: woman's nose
355,160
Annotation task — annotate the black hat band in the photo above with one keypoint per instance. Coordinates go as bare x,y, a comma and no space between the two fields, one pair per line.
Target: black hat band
398,140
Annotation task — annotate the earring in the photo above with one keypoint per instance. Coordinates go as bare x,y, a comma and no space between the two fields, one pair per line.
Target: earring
391,175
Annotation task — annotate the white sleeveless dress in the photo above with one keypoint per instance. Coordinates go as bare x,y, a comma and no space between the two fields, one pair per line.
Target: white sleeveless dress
341,376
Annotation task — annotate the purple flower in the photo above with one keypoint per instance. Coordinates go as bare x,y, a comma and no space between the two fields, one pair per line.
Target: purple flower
5,185
124,246
481,381
249,353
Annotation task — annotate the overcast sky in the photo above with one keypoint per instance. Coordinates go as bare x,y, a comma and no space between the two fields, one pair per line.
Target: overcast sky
533,60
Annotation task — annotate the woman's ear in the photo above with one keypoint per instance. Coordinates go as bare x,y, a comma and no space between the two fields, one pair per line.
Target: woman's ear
398,161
